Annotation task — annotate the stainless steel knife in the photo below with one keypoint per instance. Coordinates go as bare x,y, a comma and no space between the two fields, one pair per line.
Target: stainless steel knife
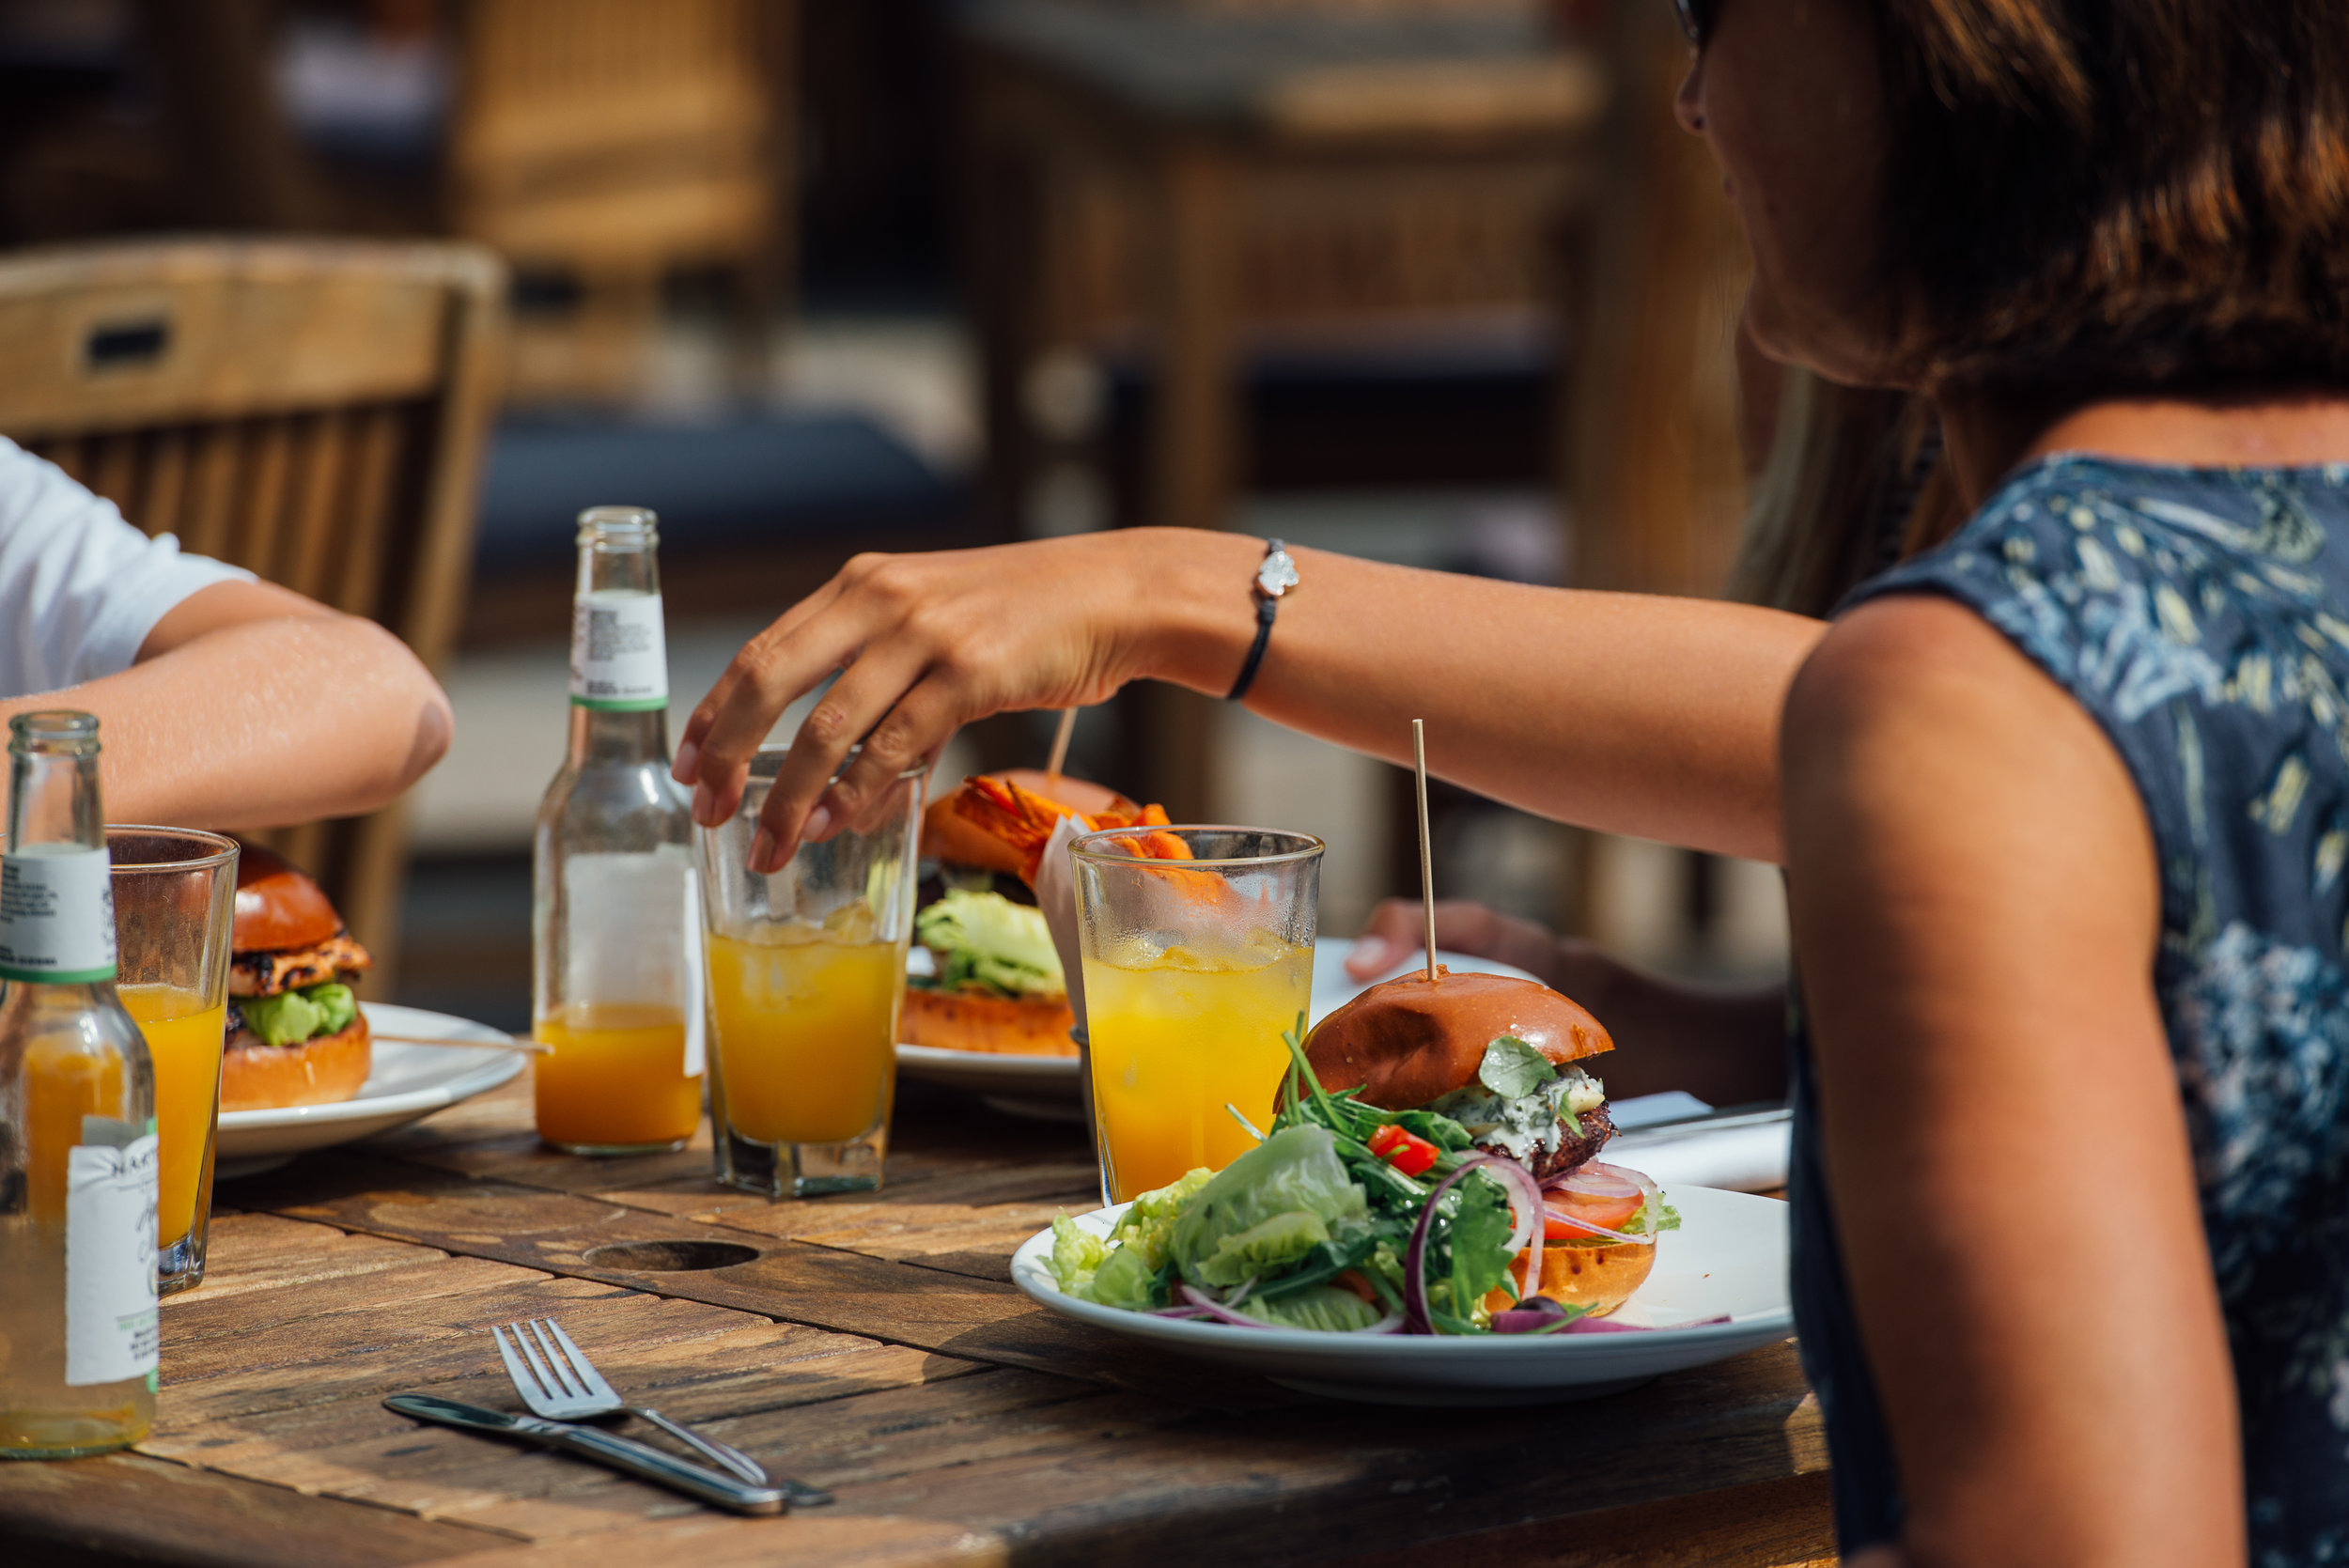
640,1459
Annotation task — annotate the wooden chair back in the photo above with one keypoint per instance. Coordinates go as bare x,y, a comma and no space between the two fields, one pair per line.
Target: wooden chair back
598,135
312,412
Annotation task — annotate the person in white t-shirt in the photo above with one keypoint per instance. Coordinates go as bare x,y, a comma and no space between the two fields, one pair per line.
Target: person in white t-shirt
223,701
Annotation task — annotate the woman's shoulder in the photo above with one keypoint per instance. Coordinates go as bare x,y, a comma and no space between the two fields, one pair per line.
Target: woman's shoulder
2133,583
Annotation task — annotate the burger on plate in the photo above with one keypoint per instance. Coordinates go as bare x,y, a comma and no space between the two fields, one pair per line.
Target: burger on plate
296,1035
995,981
1504,1057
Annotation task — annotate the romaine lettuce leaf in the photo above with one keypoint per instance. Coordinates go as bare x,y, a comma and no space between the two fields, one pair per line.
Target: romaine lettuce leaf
1330,1309
1262,1249
1297,1170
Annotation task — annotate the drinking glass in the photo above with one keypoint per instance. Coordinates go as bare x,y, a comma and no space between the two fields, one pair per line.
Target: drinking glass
807,973
174,896
1193,968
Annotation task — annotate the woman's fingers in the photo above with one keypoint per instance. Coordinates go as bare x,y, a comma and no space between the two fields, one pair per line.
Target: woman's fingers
857,700
906,742
692,739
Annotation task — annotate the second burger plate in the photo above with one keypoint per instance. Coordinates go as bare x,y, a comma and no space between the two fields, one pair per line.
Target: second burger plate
1050,1087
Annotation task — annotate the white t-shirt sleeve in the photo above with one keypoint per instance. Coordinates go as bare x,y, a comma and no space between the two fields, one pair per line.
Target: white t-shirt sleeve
80,588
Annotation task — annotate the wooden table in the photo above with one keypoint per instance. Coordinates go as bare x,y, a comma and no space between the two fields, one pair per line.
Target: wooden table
873,1346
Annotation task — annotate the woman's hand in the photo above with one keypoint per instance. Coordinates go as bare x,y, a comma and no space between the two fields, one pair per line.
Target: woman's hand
925,643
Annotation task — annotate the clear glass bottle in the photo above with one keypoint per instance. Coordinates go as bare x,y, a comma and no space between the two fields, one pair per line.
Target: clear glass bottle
616,965
78,1164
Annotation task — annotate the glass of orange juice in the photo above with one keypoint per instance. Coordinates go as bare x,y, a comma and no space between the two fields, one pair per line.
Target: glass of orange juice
1193,968
175,891
806,974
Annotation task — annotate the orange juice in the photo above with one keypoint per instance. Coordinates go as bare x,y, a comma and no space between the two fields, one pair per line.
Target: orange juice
184,1036
62,1084
617,1078
1175,1041
806,1035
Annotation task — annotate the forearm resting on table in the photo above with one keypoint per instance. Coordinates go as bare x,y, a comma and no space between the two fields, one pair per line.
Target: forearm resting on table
258,722
1632,713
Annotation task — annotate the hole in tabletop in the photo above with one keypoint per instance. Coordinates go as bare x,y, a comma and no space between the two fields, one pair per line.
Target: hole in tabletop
668,1257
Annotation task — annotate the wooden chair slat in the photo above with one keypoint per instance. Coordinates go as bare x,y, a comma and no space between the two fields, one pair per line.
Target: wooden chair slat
69,456
212,501
319,462
114,463
377,445
261,517
166,482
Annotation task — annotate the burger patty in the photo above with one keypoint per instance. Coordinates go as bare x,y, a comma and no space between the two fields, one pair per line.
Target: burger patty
266,972
1571,1153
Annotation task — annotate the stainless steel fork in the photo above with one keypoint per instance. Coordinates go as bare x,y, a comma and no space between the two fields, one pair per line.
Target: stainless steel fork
557,1380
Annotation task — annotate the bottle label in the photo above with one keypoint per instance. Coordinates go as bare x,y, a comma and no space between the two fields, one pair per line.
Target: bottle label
57,916
111,1331
616,948
619,658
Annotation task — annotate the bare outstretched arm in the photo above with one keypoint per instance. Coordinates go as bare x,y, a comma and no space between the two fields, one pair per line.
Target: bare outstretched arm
252,706
1656,716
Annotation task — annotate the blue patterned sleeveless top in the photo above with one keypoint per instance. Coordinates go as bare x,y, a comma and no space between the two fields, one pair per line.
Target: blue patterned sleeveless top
2201,616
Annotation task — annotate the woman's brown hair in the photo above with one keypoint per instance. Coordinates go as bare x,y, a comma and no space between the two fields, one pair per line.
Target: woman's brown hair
2111,196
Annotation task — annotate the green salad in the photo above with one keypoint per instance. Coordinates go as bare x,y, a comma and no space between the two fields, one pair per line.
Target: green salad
985,942
1343,1218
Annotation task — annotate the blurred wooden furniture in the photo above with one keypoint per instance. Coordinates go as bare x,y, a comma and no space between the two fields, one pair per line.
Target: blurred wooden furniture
869,1344
1207,174
1651,456
611,142
312,412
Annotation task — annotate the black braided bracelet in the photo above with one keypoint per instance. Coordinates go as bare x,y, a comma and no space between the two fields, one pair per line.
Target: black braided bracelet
1274,577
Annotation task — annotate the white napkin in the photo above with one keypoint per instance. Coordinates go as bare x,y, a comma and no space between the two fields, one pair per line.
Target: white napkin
1056,895
1743,1153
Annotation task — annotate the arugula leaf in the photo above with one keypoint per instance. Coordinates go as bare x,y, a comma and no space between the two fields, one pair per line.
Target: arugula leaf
1512,1069
1479,1239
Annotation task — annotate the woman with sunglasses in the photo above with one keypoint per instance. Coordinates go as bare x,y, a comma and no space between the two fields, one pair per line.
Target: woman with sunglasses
2063,800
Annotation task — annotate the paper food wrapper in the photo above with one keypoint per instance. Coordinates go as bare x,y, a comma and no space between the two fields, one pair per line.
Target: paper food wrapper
1056,895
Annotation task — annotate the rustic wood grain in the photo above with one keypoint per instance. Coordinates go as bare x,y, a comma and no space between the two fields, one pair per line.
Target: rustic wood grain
123,1507
870,1347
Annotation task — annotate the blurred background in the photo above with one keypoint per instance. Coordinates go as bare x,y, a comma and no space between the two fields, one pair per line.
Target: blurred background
1430,280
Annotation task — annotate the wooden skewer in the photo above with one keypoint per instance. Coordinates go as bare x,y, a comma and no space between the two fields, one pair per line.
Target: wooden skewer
1427,854
1060,742
512,1042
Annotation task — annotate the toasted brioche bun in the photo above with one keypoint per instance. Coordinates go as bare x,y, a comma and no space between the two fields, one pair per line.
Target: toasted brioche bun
278,905
1413,1040
968,1020
1596,1279
946,836
255,1075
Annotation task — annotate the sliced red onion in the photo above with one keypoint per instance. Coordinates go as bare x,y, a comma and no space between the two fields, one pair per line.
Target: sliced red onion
1525,1198
1599,1181
1539,1311
1204,1305
1609,1326
1609,1181
1565,1218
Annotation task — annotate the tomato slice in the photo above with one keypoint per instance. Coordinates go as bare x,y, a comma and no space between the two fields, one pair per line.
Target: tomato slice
1607,1212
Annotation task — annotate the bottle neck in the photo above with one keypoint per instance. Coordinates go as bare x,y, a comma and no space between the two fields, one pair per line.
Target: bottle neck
52,799
602,739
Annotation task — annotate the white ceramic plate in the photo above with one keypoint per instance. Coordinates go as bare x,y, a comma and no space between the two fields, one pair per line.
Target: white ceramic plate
1046,1086
407,1083
1727,1256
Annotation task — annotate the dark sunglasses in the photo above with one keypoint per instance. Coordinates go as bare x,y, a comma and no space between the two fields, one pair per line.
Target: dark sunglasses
1696,19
